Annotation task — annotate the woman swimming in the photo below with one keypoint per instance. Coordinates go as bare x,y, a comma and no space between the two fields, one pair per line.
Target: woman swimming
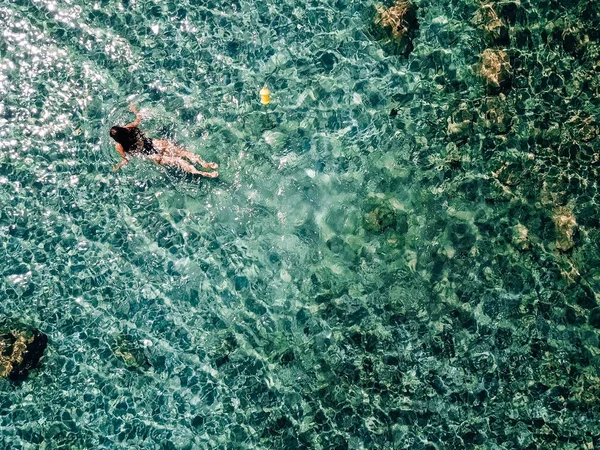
131,142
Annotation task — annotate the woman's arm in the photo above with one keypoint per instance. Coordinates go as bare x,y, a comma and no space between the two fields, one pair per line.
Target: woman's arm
124,159
138,117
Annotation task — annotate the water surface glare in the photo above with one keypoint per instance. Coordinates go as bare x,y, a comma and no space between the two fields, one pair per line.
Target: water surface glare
394,256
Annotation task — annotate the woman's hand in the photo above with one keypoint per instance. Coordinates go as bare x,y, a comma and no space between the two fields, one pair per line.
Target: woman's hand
133,108
121,164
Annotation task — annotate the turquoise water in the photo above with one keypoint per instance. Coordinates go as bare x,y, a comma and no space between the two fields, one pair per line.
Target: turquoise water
355,278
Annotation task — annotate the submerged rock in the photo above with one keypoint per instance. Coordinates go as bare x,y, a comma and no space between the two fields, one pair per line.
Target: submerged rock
460,125
496,115
575,41
565,223
385,216
571,36
510,174
21,349
520,237
459,131
583,127
495,68
400,23
131,351
494,29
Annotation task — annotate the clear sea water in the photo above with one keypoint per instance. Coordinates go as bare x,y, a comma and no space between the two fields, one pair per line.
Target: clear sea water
355,278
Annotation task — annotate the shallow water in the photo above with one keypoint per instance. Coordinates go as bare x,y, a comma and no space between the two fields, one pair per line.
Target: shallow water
354,278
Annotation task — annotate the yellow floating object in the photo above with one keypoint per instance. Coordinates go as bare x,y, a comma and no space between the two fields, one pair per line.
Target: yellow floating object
265,96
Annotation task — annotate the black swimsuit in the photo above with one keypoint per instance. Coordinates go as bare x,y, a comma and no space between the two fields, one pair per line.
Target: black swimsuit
140,144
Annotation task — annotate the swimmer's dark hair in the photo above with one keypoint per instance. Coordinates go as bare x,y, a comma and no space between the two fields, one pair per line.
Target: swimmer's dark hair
123,136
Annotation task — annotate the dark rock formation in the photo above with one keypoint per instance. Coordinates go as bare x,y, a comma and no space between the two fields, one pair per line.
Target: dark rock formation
595,317
399,24
21,349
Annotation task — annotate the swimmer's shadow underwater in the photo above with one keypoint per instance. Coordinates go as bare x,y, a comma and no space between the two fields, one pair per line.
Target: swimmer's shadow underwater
131,142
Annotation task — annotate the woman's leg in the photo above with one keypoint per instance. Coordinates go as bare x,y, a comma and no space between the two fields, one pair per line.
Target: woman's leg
175,161
170,149
197,159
